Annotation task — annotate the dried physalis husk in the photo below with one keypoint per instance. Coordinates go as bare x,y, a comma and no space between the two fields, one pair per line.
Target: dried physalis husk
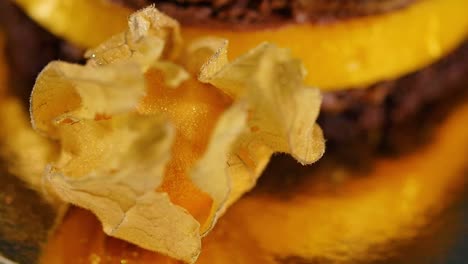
151,35
210,174
201,50
116,179
282,110
156,154
112,159
272,82
83,92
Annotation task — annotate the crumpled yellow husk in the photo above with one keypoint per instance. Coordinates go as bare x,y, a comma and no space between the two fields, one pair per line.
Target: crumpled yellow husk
151,22
113,156
174,74
202,50
282,110
119,188
113,159
151,35
210,173
83,92
112,166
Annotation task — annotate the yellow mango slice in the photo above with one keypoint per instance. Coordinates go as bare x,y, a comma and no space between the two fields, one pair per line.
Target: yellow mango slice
85,23
359,52
346,54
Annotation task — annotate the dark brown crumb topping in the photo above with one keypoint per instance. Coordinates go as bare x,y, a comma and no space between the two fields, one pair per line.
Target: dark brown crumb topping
394,115
258,13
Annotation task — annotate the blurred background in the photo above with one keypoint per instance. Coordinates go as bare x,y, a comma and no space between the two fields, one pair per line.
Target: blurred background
386,191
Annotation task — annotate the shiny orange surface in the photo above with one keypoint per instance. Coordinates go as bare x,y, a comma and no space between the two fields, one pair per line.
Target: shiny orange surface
343,216
193,108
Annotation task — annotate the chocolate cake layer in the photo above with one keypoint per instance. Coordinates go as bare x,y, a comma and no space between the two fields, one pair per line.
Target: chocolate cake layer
374,115
366,116
254,13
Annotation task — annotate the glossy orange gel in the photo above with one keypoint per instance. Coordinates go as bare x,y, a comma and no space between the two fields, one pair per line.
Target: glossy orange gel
193,108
